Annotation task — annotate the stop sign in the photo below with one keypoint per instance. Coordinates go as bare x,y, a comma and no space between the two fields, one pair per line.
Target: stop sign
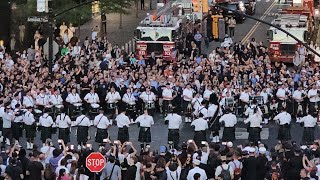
95,162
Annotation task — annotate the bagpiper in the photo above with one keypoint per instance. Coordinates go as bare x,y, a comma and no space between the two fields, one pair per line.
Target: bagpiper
284,120
228,120
254,126
123,122
308,123
174,121
45,122
29,122
102,123
200,126
83,123
63,123
145,121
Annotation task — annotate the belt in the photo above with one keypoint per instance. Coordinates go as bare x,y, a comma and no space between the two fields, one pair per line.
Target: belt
308,127
173,129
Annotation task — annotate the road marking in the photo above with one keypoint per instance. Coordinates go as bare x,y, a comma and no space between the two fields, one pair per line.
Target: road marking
241,133
253,29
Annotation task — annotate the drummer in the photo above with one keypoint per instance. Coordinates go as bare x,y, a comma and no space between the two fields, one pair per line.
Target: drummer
56,101
130,102
74,99
42,100
93,101
167,95
112,99
149,99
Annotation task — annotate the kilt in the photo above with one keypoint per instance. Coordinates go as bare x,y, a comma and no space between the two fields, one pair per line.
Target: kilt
229,134
185,109
200,136
174,135
30,131
308,135
64,134
215,127
17,129
101,134
254,134
284,133
45,133
144,135
82,134
123,134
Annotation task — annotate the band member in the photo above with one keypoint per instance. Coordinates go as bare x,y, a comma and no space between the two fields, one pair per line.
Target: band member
314,98
225,103
284,120
298,100
92,101
74,101
250,110
187,100
282,95
273,108
28,100
83,123
201,110
244,100
29,121
42,100
46,122
177,100
207,93
228,120
149,99
308,122
57,102
167,95
123,122
17,124
214,113
254,126
7,118
196,101
15,100
130,102
63,122
200,126
112,99
145,121
174,121
102,123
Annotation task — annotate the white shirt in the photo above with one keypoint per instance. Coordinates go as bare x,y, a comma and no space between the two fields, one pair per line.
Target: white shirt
44,150
313,92
101,121
28,101
197,102
255,120
265,96
148,97
244,97
129,98
174,119
187,94
18,119
56,100
250,110
92,98
113,97
283,117
7,119
42,99
28,118
122,120
192,172
229,120
73,98
200,124
281,94
212,110
167,93
145,120
297,95
201,109
63,121
14,102
225,91
83,121
206,94
173,175
308,121
46,120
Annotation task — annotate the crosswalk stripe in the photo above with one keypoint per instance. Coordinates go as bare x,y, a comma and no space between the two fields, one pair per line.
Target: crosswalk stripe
241,133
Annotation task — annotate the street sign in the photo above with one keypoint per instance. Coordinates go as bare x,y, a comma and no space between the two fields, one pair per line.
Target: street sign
37,19
95,162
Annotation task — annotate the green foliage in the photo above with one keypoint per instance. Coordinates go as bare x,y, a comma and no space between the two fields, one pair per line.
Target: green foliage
116,6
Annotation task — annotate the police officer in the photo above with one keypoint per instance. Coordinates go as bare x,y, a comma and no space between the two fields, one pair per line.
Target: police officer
284,120
83,123
63,123
228,120
308,122
102,123
29,122
254,123
174,121
45,122
123,122
200,127
145,121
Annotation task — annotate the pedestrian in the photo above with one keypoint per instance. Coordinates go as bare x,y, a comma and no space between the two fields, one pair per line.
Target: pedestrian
112,171
35,168
197,39
83,123
231,25
102,123
228,120
145,121
123,122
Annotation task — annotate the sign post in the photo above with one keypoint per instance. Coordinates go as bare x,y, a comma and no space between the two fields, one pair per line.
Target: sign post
95,162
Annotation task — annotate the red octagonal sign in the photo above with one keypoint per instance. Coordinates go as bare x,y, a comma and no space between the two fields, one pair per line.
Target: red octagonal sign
95,162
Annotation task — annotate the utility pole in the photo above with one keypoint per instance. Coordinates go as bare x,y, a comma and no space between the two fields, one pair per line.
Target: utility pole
51,24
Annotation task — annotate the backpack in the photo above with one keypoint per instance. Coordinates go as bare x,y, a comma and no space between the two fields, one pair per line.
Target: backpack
237,171
225,173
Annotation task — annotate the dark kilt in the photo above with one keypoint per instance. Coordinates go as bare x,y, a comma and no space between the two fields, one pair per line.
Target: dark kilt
229,134
200,136
284,133
144,135
174,135
215,127
308,135
101,134
30,131
17,129
254,134
82,134
64,134
123,134
46,133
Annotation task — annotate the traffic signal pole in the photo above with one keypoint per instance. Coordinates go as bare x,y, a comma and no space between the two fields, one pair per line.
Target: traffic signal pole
267,23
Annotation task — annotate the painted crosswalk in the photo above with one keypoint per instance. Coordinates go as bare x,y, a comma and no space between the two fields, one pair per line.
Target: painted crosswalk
241,133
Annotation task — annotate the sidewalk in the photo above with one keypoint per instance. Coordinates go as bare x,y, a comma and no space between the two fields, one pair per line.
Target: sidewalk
114,34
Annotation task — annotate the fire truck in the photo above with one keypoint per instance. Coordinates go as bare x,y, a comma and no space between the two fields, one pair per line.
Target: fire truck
163,33
282,47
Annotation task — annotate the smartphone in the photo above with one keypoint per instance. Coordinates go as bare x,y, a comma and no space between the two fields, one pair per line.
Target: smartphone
224,143
88,145
59,141
105,140
148,146
190,141
189,155
115,142
71,146
203,142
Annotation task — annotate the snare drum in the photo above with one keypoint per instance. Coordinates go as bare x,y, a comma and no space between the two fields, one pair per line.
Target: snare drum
95,105
59,106
131,107
77,105
150,105
37,111
111,105
48,108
